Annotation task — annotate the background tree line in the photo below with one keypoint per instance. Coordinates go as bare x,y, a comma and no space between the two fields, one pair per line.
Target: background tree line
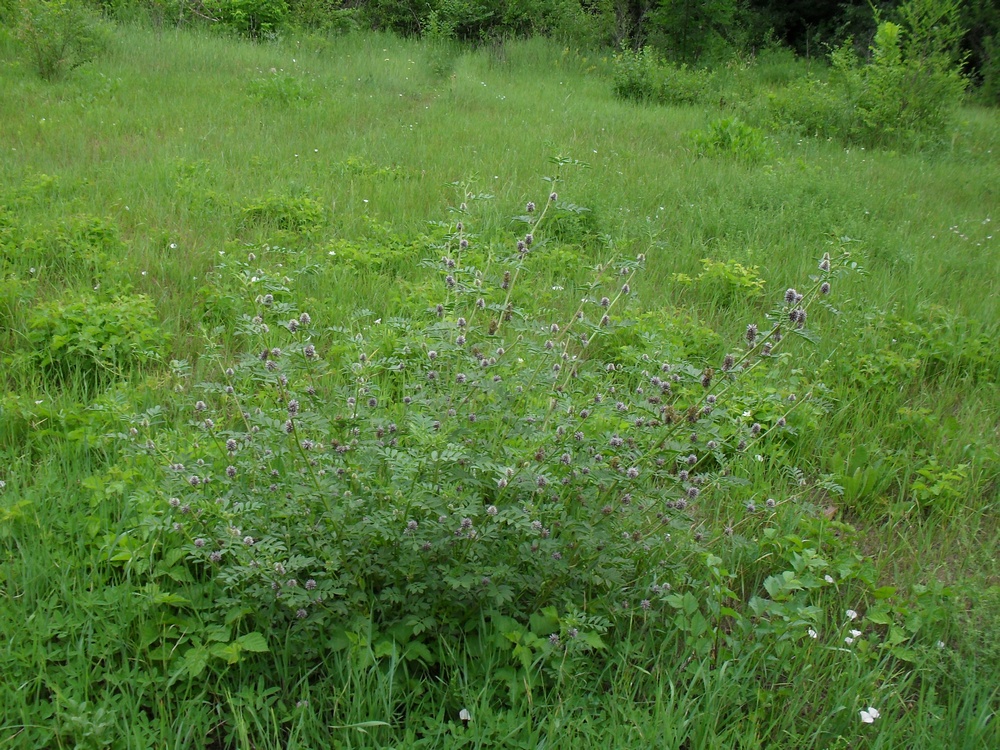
687,31
695,32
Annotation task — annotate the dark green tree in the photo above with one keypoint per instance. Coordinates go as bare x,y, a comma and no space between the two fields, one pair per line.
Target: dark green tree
688,30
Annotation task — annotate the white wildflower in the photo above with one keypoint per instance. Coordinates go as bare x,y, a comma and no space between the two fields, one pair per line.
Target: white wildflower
869,715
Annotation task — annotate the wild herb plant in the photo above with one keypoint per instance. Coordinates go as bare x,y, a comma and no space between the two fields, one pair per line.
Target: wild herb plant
403,481
642,75
732,137
89,340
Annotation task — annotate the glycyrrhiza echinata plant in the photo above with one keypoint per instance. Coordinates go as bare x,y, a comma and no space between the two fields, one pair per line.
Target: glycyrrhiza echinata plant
488,460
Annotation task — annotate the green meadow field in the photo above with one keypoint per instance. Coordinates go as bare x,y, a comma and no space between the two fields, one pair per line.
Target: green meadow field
314,433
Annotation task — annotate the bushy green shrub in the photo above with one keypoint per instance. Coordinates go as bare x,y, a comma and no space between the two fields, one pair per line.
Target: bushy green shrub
681,84
441,47
76,243
60,35
381,250
727,282
295,214
280,87
414,478
635,74
906,95
732,137
256,19
644,76
88,340
810,106
910,91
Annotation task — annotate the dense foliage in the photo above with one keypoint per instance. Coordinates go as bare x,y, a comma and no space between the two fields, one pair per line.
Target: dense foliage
682,31
486,463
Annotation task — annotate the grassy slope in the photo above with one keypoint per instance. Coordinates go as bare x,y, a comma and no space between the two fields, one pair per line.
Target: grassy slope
122,134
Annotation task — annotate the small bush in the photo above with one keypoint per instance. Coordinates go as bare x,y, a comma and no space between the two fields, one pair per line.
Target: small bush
60,35
480,461
732,137
810,107
89,341
643,76
77,243
255,19
680,84
280,87
295,214
907,95
441,46
380,250
635,74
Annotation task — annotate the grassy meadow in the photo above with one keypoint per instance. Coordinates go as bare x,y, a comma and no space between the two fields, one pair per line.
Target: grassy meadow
166,210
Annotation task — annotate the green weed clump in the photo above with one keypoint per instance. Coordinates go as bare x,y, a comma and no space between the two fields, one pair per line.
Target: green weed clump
294,214
645,77
90,340
731,137
728,282
280,87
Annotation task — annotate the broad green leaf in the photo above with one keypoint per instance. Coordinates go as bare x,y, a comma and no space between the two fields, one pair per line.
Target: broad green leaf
253,642
417,651
884,592
545,622
878,616
905,654
195,660
230,652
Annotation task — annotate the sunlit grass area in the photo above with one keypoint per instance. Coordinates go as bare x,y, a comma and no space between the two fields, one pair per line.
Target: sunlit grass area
617,487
